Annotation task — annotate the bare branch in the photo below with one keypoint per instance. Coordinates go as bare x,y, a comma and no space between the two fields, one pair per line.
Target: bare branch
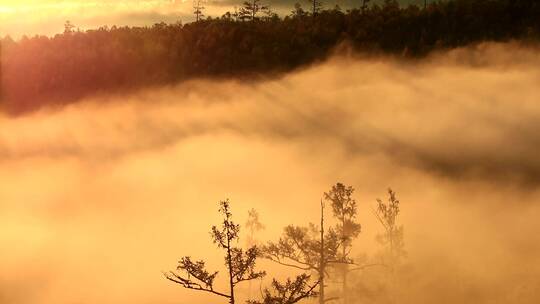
277,260
186,283
368,266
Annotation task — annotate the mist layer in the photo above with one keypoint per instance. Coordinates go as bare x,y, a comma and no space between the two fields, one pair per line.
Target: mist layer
98,197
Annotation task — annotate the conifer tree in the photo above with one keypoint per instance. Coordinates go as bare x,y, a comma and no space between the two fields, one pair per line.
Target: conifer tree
292,291
316,6
392,237
345,211
240,264
312,248
251,9
198,8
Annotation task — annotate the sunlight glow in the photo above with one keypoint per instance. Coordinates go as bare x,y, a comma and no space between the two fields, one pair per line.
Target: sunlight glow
31,5
30,17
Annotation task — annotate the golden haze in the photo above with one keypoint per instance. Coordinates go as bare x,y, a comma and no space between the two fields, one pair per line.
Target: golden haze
98,197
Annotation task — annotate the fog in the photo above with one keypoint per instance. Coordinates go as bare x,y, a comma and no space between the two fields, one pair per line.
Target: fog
99,197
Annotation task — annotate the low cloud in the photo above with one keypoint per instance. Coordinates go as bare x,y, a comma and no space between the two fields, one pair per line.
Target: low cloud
98,197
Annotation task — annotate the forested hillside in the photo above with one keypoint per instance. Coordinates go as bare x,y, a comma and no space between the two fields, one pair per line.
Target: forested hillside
44,70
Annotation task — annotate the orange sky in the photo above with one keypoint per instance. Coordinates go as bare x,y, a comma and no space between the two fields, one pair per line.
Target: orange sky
18,17
47,17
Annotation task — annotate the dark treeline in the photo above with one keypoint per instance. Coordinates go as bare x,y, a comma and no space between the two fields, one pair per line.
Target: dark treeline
44,70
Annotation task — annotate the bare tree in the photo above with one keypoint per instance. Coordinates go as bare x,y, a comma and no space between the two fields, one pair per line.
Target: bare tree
253,225
345,210
198,8
308,249
240,264
288,293
392,237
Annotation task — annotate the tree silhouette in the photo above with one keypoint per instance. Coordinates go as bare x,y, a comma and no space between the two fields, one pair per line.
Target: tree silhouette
392,237
198,8
68,27
316,6
253,225
308,249
345,210
240,264
251,9
288,293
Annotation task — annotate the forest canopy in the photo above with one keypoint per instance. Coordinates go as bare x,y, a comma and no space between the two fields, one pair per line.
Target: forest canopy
41,70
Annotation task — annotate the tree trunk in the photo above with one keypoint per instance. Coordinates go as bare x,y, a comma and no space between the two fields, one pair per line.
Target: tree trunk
253,12
250,244
345,266
229,263
321,286
345,273
322,263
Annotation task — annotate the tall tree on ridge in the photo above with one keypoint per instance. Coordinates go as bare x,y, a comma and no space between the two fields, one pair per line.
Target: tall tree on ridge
251,9
198,6
68,27
316,6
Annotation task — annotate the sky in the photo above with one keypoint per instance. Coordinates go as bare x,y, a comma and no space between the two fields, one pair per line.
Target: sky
99,197
47,17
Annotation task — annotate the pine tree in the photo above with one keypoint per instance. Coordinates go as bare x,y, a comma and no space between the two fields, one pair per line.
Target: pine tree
290,292
393,237
253,225
240,264
198,8
316,6
309,249
251,9
345,210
